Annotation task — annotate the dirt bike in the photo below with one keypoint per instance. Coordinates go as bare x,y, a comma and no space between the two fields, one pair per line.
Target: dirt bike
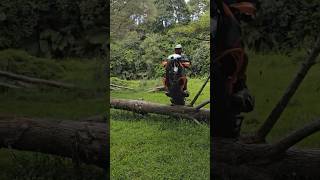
175,82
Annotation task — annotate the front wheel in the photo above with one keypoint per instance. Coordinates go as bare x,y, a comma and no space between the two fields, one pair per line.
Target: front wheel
177,100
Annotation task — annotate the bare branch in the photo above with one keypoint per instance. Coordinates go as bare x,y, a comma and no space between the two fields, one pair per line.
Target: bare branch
23,78
201,105
282,104
121,87
199,92
295,137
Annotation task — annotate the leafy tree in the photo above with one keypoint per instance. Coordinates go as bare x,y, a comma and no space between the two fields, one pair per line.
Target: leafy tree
124,57
137,52
170,12
127,15
201,60
283,25
198,8
55,28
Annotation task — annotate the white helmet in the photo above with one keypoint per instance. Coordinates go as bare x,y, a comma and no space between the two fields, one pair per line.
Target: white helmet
178,46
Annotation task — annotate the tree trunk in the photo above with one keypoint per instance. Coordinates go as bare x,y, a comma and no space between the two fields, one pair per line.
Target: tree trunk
81,141
144,107
236,160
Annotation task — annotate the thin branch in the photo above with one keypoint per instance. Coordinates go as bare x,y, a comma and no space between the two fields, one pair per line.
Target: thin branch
196,121
295,137
121,87
199,92
201,105
282,104
201,39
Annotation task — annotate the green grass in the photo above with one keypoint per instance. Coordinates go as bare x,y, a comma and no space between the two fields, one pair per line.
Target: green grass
154,146
51,103
268,77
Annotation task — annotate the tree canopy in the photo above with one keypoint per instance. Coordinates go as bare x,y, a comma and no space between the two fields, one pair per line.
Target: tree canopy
283,25
144,33
55,28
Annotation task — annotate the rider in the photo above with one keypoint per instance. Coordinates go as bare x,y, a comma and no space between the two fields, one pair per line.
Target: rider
178,50
231,94
184,58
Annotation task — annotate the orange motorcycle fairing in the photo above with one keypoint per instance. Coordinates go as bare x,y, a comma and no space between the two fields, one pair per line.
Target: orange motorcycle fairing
164,63
182,83
165,83
186,64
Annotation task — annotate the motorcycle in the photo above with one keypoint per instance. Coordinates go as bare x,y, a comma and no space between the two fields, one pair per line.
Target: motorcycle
175,81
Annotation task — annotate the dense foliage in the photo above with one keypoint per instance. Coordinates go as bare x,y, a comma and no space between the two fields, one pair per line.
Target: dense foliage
55,28
283,25
142,35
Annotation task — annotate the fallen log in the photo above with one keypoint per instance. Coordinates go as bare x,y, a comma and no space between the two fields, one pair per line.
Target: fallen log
32,80
239,161
9,86
120,87
144,107
81,141
96,118
157,89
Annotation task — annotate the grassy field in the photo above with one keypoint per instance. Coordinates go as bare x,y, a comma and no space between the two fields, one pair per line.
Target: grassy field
268,77
154,146
50,103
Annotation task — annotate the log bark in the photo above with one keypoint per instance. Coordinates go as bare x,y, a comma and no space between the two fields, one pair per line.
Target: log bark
144,107
267,161
32,80
81,141
236,160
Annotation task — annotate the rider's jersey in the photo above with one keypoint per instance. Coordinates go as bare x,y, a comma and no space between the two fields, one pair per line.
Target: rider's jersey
181,58
184,57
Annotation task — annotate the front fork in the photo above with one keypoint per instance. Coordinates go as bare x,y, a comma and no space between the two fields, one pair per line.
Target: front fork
182,83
